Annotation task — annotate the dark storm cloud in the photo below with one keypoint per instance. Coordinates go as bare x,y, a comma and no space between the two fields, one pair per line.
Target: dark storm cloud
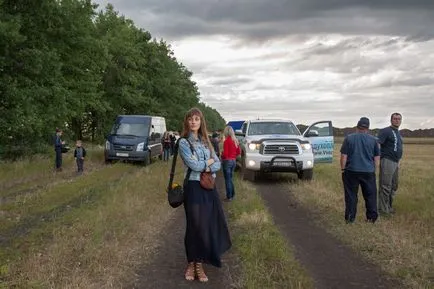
263,19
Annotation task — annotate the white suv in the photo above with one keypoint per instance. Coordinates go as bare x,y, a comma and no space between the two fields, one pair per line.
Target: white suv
278,146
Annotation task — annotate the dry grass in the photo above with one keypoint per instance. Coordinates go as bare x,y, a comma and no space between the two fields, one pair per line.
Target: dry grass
401,245
35,173
99,243
266,259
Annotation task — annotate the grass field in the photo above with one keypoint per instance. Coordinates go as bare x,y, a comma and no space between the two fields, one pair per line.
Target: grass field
83,232
60,230
403,244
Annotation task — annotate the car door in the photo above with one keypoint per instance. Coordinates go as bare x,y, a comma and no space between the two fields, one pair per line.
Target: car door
320,135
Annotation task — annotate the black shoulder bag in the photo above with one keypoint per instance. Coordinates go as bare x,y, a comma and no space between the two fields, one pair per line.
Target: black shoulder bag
175,192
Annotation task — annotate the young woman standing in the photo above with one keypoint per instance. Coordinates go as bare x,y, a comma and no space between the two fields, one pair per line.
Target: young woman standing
231,149
207,236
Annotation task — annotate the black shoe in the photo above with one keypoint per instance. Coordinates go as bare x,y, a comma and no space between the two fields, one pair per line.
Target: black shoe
370,221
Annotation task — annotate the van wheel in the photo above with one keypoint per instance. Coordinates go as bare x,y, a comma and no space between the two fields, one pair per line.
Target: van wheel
305,175
148,159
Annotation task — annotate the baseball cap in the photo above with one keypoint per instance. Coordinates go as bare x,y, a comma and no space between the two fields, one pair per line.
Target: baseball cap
363,122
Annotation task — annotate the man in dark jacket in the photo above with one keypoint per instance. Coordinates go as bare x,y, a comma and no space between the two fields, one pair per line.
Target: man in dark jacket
390,141
58,143
360,155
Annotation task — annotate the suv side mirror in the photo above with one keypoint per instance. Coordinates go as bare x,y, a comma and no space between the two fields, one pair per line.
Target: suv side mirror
239,132
312,133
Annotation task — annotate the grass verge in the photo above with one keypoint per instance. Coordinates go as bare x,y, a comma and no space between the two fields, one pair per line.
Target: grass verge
401,245
98,244
266,259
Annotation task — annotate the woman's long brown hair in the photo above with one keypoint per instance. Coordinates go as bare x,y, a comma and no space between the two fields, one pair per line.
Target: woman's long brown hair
203,131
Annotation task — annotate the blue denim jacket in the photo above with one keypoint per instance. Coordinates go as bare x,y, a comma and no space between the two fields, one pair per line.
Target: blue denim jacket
196,161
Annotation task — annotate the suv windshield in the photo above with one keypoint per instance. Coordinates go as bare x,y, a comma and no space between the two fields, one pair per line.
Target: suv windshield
130,129
260,128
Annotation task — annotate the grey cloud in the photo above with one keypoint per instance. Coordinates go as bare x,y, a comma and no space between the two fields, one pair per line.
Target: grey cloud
263,19
398,78
231,80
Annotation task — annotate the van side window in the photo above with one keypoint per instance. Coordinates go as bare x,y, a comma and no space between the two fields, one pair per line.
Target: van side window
244,128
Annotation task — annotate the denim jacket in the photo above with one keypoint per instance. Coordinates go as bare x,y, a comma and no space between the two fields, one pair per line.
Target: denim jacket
197,161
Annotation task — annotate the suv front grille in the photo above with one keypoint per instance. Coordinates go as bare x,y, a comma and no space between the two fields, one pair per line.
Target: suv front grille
119,147
281,149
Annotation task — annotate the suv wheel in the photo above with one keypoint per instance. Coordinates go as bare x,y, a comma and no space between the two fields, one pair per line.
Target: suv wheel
247,175
305,175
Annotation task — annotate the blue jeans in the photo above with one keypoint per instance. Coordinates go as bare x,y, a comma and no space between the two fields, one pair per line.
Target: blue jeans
228,172
166,154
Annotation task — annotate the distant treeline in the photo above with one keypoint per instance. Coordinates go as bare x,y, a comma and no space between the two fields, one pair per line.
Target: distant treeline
65,65
420,133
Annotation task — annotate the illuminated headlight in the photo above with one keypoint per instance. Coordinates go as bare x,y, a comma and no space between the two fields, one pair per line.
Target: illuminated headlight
107,145
309,163
306,146
252,163
254,146
140,147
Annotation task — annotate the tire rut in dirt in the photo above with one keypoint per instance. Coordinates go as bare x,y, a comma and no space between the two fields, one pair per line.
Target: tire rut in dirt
167,267
329,262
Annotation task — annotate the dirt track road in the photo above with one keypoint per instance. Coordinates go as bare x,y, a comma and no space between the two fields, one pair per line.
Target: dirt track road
331,264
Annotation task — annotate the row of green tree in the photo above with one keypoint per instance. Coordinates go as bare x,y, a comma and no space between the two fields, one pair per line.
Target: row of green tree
67,64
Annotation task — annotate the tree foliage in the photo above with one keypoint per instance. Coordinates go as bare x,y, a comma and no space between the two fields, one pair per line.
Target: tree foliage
65,64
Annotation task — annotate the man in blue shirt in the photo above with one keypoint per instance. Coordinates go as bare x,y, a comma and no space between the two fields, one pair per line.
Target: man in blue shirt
360,155
390,141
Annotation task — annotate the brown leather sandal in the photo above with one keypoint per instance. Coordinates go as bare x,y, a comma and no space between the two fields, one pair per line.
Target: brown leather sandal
189,272
200,273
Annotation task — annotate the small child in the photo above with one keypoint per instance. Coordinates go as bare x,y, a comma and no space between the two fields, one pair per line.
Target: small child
79,154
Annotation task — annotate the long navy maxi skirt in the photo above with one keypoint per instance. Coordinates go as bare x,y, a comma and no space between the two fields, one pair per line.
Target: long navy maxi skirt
207,235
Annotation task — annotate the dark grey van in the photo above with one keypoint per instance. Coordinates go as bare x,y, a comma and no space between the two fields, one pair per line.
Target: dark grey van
135,138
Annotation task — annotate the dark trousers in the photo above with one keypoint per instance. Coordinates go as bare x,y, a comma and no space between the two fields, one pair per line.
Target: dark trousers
367,182
58,158
80,165
228,172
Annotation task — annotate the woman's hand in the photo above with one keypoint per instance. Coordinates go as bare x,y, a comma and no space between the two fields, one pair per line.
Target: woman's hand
210,162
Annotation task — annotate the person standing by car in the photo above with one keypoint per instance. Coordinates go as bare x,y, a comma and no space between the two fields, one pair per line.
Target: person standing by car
172,143
360,155
216,143
231,149
165,141
390,141
207,235
58,144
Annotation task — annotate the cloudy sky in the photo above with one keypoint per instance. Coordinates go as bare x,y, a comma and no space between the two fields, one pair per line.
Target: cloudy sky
306,60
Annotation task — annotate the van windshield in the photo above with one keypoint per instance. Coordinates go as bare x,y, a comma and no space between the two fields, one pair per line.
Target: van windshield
131,129
261,128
